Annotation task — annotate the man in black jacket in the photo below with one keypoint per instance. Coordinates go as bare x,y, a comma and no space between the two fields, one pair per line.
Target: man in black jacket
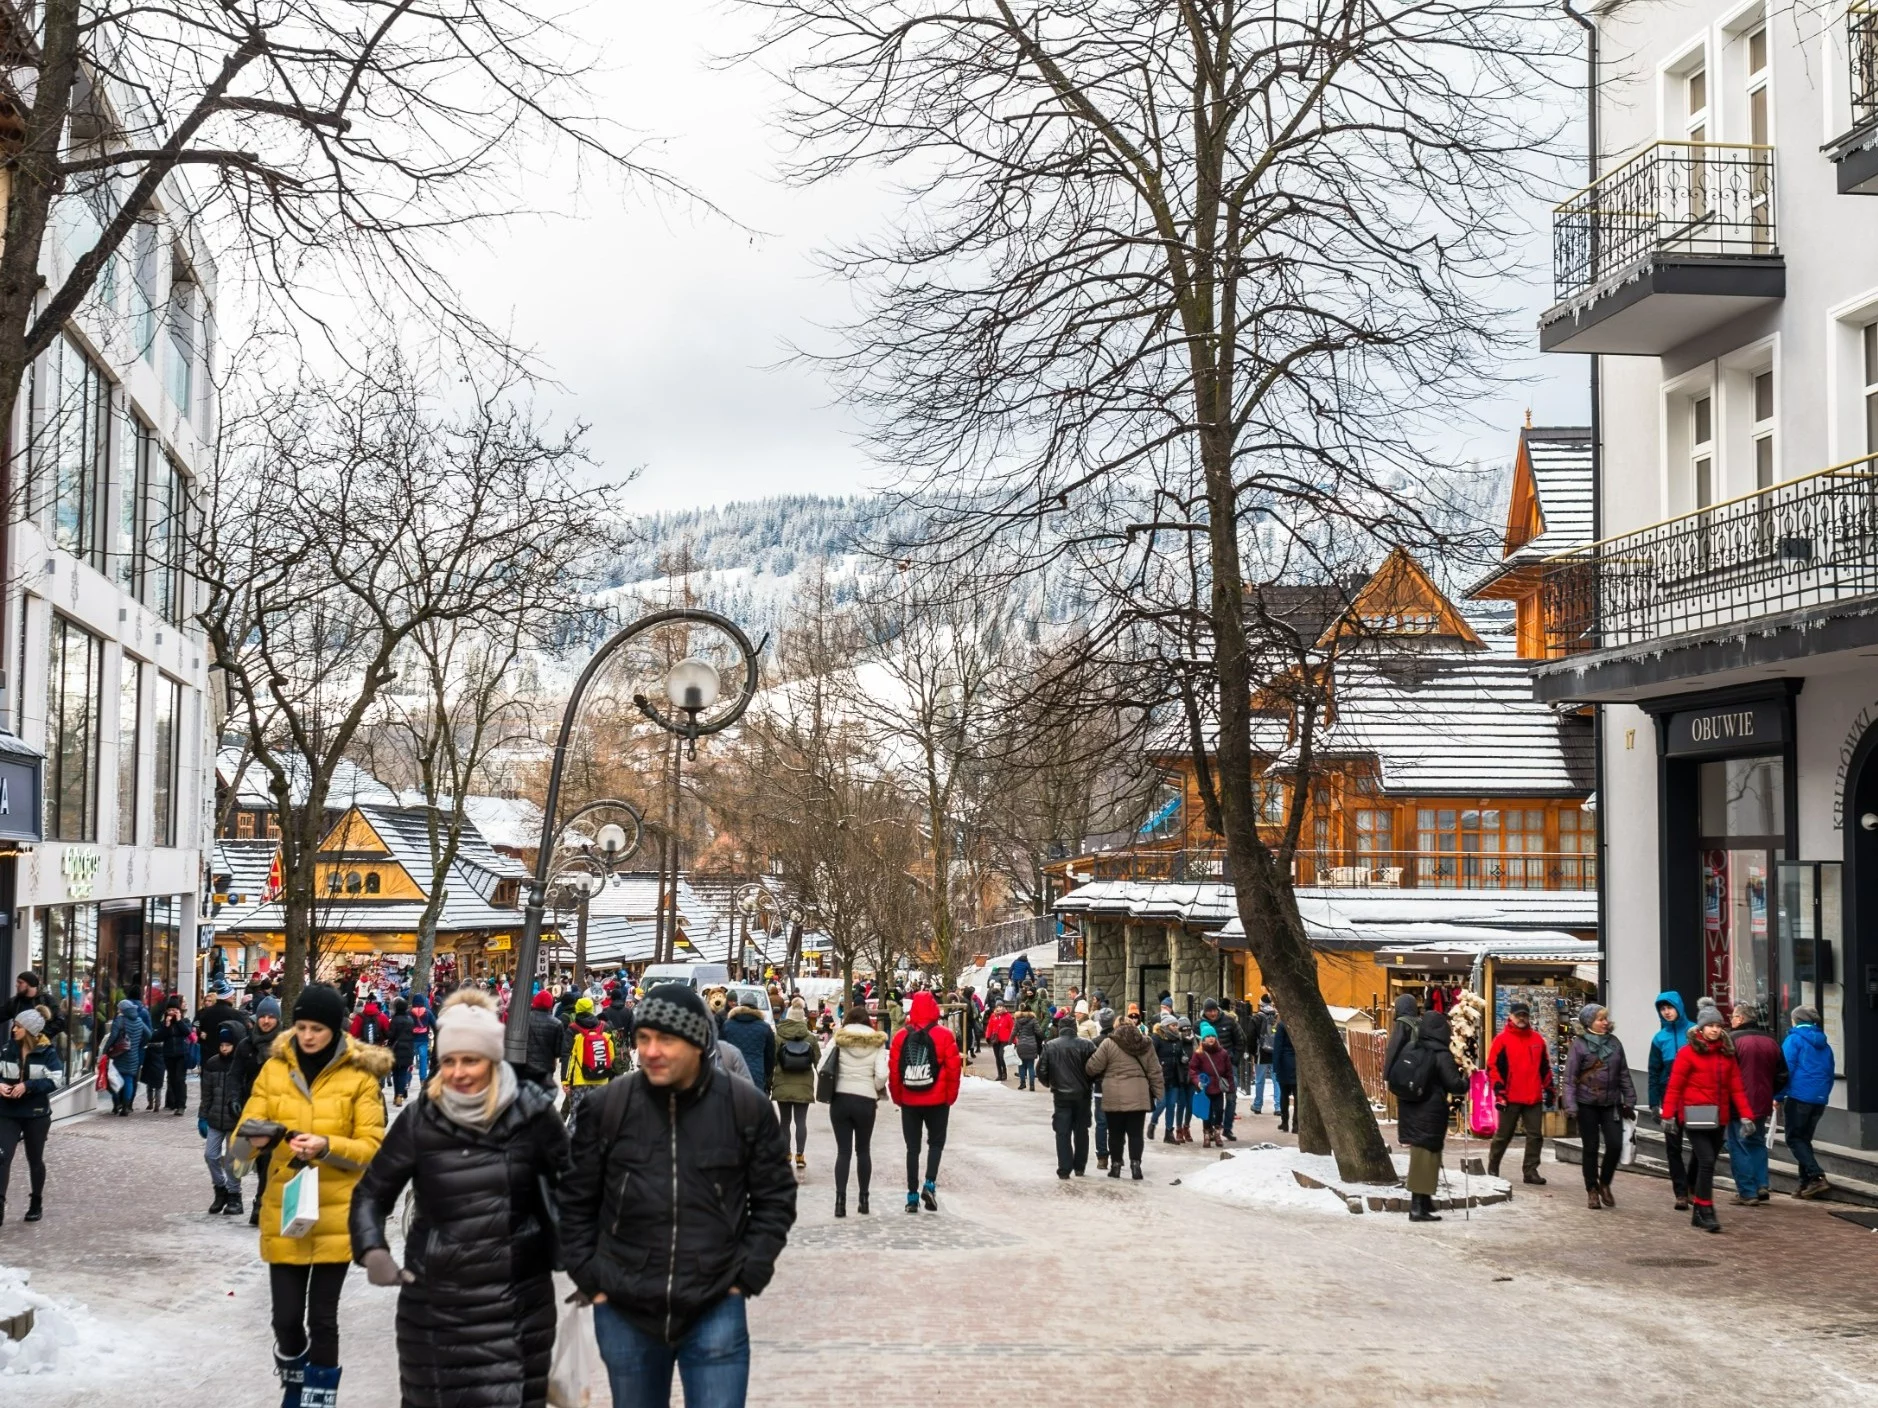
26,996
677,1205
1063,1069
545,1033
1232,1040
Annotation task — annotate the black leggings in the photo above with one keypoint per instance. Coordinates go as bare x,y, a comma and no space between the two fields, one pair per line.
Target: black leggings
853,1119
997,1054
178,1077
1704,1147
931,1119
783,1110
32,1132
1126,1125
1600,1122
306,1310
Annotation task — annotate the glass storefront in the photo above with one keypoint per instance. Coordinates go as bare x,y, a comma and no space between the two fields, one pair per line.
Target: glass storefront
65,954
1742,814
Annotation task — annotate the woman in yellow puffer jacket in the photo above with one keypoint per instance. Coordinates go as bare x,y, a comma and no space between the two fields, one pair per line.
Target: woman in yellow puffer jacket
326,1091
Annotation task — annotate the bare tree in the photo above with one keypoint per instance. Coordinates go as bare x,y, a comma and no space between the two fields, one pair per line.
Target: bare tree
1211,268
353,520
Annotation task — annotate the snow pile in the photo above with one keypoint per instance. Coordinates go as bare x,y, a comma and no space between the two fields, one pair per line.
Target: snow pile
65,1337
1263,1176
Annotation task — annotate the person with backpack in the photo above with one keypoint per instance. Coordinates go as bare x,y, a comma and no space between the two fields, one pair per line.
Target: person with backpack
854,1075
1424,1079
401,1036
675,1207
221,1099
792,1083
1028,1044
1597,1089
1703,1098
1063,1070
1671,1036
1519,1064
1000,1027
592,1059
1763,1071
1132,1084
1810,1071
923,1067
371,1025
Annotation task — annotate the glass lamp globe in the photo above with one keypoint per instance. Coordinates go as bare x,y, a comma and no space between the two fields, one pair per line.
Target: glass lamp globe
692,684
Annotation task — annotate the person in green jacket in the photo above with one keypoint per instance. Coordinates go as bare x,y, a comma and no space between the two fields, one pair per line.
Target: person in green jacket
792,1080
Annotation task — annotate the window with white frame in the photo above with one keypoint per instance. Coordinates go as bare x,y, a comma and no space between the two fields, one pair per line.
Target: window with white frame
1702,449
1763,431
1760,124
1870,362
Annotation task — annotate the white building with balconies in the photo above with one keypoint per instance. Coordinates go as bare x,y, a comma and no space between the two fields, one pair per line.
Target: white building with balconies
1723,270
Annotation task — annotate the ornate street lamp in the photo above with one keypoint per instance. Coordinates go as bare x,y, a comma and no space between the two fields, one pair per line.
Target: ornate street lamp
692,690
584,863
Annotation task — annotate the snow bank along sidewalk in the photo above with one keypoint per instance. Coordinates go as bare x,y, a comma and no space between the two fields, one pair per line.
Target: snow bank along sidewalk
1276,1176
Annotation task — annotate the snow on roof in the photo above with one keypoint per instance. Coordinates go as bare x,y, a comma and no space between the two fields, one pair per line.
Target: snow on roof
350,783
1561,462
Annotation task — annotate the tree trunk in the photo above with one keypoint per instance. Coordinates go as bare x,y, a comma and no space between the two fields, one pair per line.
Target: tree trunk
1312,1138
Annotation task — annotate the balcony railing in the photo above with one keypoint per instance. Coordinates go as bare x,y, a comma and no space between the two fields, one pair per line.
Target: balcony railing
1439,869
1862,53
1676,199
1809,542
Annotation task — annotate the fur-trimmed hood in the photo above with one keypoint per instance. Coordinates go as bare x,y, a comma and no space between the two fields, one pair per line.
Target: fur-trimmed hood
1130,1038
858,1038
375,1061
746,1011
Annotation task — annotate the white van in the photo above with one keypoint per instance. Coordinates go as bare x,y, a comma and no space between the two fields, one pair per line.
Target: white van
696,976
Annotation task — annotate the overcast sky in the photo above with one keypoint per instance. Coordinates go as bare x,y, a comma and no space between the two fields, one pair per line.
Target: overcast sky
667,328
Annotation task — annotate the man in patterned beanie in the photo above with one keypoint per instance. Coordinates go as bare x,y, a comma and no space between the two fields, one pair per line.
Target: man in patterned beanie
678,1202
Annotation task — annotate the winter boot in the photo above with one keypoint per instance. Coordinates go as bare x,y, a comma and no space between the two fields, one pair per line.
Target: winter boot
33,1210
1704,1218
234,1207
861,1205
221,1200
1422,1208
1102,1162
1134,1171
1170,1137
254,1213
912,1202
1593,1201
292,1376
929,1195
841,1204
1605,1196
322,1386
1115,1168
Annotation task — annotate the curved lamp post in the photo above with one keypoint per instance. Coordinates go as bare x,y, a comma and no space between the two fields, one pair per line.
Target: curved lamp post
751,900
690,687
586,863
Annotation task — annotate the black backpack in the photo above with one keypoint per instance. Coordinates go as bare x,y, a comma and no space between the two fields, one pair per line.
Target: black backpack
919,1060
1413,1073
797,1055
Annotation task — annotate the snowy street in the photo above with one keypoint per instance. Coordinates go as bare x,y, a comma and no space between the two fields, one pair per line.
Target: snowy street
1022,1284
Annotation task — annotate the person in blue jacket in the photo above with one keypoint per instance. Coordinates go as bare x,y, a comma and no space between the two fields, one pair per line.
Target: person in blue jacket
1285,1072
1810,1071
1670,1038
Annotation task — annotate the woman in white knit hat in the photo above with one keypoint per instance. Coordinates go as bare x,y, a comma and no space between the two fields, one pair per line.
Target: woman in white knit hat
29,1073
483,1151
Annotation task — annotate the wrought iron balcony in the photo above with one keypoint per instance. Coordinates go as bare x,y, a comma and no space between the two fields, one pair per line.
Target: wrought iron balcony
1856,153
1349,869
1675,241
1809,542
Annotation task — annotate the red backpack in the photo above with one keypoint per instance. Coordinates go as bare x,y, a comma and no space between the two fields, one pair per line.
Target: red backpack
596,1054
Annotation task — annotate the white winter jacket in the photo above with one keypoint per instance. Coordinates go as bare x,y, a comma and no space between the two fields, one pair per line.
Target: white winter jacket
862,1053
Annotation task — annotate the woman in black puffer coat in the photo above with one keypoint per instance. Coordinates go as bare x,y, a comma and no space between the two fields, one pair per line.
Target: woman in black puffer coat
476,1313
1423,1124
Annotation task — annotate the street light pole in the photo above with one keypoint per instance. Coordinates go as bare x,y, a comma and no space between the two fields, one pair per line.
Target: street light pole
691,687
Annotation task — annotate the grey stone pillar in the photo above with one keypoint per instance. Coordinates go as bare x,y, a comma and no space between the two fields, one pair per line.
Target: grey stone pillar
1105,951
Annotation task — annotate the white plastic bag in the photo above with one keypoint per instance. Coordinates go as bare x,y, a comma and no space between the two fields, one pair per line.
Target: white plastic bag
1629,1154
577,1375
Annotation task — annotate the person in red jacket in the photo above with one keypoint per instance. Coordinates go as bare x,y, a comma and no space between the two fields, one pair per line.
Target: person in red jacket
923,1067
1000,1028
1706,1079
1520,1067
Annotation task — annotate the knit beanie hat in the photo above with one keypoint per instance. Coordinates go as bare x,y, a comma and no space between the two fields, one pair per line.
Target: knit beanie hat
29,1021
584,1005
1808,1016
268,1007
543,1002
676,1010
469,1028
1589,1014
1206,1030
319,1002
230,1032
1706,1013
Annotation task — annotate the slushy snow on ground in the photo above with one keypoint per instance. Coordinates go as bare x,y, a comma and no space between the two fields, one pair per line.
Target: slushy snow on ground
1262,1176
66,1339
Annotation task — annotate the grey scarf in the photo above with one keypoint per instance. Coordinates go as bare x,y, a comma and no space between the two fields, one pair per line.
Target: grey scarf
477,1112
1601,1046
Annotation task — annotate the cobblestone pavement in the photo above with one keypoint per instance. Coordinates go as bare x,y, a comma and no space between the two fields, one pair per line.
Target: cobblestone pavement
1023,1284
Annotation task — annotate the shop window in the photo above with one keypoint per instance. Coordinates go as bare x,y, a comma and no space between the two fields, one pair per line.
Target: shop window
65,955
69,403
1742,811
73,687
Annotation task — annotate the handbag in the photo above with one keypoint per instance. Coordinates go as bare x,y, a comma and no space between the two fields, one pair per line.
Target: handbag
827,1076
1701,1117
300,1202
1483,1113
550,1220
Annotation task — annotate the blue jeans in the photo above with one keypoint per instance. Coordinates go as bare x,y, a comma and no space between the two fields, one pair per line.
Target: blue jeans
1165,1108
1802,1118
1101,1128
215,1155
420,1054
1183,1105
1261,1072
713,1359
1026,1074
1748,1158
